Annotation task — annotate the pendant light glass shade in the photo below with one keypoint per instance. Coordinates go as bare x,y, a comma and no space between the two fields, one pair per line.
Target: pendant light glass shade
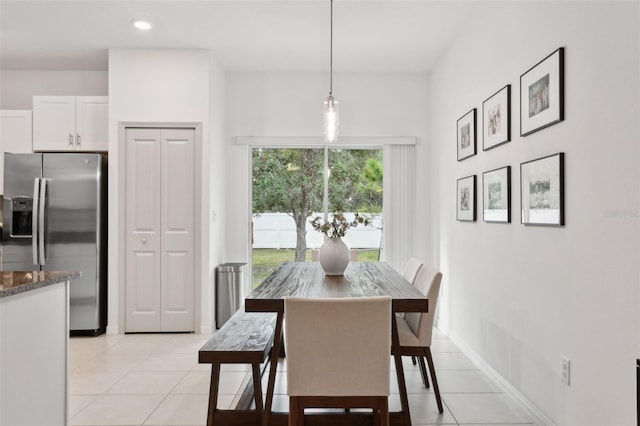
331,117
331,120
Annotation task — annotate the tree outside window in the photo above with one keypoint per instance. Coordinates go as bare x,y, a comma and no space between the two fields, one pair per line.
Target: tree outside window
290,181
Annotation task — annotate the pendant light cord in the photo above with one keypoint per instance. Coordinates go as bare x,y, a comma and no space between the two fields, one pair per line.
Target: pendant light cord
331,53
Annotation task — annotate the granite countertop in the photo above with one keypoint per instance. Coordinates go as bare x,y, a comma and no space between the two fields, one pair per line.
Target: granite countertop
14,282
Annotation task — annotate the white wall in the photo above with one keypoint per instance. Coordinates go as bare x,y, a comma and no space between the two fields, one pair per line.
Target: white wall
217,190
157,86
290,104
17,88
520,297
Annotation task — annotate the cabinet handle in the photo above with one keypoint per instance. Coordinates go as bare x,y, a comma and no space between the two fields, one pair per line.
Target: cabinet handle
78,139
144,241
70,140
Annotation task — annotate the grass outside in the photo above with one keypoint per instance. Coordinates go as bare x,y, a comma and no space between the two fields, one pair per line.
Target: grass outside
266,260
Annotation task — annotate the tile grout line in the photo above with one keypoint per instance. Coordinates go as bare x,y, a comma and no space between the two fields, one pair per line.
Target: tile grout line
163,399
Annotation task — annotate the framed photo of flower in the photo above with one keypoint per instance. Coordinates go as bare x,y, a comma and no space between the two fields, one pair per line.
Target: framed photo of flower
496,195
542,191
542,94
466,199
496,119
467,135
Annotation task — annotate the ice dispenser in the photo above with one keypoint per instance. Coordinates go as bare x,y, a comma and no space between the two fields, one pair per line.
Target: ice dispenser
22,216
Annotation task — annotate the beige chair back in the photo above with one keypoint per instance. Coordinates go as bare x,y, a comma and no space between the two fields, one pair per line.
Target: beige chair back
338,346
428,283
411,269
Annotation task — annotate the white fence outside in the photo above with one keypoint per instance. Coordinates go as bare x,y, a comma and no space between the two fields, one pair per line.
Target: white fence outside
278,230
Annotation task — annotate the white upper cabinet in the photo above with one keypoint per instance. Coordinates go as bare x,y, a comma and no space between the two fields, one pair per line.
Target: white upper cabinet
70,123
15,135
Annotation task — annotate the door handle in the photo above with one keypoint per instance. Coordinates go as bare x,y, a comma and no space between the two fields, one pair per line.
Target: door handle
43,199
34,220
144,241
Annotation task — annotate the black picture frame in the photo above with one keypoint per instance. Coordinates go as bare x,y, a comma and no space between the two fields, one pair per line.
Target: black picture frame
542,191
496,119
542,94
466,135
496,195
466,199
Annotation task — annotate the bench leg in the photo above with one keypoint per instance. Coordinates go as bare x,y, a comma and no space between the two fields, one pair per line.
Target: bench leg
213,393
275,350
257,392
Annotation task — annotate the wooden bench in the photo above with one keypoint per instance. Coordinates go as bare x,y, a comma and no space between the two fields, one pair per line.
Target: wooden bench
246,338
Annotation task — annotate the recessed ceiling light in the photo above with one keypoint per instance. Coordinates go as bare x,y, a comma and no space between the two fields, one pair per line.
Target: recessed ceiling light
141,25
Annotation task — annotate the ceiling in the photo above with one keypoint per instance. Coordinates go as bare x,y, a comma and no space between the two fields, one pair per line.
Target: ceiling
245,36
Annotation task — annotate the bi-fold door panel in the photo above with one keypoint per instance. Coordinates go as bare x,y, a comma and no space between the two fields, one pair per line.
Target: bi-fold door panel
142,212
178,219
160,230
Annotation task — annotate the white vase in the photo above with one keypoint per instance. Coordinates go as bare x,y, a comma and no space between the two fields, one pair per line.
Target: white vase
334,256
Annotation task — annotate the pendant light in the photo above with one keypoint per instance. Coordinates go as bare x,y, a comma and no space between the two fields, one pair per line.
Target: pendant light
331,117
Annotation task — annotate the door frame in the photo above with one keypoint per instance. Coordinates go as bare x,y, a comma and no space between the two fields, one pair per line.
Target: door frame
201,227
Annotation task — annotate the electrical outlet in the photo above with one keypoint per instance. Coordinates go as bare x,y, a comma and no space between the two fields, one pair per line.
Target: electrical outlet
565,370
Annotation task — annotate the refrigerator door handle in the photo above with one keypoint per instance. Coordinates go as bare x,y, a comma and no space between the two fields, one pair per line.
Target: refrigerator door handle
41,212
34,220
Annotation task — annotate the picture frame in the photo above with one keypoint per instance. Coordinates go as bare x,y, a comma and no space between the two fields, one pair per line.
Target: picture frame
542,191
496,195
466,135
466,199
496,119
542,94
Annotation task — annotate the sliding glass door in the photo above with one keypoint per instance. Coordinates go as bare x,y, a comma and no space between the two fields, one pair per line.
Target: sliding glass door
291,186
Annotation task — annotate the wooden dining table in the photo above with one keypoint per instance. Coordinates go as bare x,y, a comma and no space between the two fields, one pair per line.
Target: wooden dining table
360,279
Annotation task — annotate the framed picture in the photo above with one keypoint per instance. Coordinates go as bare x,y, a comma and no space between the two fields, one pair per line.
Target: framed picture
496,119
542,94
467,135
466,199
496,195
542,191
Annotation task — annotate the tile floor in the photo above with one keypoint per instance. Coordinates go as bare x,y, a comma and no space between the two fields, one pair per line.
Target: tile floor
155,379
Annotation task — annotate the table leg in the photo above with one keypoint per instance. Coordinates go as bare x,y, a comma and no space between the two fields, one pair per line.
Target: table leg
213,393
275,352
257,392
402,386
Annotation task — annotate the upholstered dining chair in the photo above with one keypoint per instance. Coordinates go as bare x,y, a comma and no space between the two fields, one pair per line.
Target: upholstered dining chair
410,273
338,355
411,269
415,330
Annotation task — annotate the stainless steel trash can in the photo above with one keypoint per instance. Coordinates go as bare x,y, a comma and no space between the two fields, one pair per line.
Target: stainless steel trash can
228,289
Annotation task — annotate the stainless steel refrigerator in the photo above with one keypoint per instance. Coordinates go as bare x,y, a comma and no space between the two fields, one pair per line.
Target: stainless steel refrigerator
55,219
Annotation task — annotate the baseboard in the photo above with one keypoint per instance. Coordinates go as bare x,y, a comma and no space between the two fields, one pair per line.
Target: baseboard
518,398
206,329
112,330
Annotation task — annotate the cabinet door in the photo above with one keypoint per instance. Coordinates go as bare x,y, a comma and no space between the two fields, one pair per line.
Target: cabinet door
91,123
15,136
143,234
54,119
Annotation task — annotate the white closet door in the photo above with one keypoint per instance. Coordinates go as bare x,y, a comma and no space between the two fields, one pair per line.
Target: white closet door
160,226
177,227
143,230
